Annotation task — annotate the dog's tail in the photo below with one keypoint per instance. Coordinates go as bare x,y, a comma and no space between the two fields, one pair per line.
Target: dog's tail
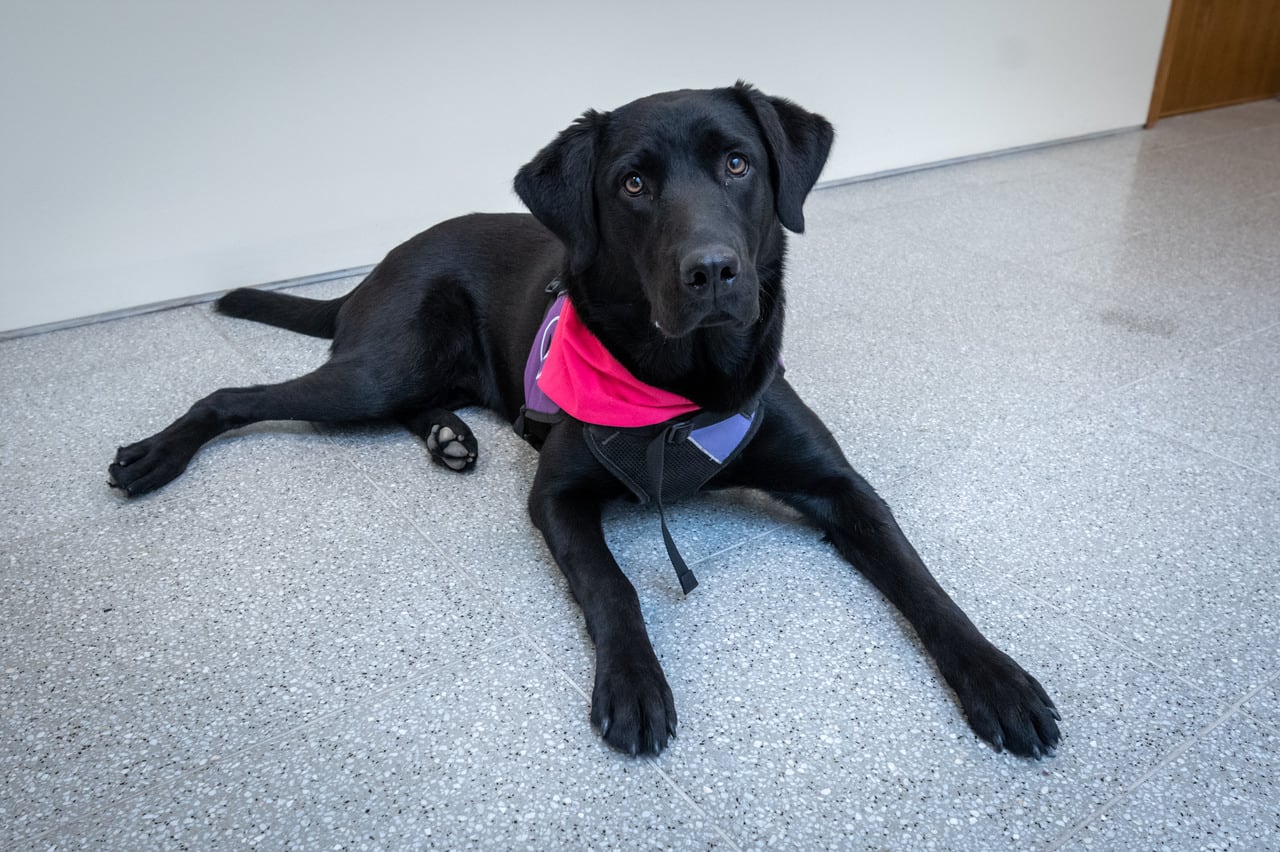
316,317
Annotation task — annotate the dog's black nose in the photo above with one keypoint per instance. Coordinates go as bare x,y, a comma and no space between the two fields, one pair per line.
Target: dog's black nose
717,265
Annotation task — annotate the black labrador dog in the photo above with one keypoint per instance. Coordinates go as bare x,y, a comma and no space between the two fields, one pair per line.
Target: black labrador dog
663,221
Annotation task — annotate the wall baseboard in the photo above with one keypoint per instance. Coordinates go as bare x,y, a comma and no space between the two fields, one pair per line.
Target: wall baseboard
954,161
184,302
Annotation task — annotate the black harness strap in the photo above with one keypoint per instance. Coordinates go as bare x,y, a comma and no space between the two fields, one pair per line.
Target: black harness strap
655,453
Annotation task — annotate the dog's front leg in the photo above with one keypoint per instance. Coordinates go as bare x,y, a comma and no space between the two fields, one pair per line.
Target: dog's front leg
631,703
795,458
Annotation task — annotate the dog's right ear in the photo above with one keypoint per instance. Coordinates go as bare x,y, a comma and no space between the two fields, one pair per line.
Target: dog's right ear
557,187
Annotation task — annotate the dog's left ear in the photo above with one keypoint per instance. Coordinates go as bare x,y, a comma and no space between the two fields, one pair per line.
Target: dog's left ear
557,187
798,142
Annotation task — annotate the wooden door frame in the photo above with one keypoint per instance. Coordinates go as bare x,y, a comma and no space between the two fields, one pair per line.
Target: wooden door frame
1166,61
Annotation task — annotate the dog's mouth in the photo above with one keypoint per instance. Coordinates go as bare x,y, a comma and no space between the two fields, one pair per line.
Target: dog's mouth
715,319
719,318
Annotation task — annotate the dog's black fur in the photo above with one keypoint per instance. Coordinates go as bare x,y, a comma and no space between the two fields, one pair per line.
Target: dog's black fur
664,219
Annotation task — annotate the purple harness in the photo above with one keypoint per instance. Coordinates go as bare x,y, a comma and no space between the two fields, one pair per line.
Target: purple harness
534,399
660,463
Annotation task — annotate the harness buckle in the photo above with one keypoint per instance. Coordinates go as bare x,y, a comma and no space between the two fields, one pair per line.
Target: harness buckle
678,433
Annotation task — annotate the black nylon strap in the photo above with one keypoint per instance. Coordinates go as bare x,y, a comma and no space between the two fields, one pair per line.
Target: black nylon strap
639,456
654,456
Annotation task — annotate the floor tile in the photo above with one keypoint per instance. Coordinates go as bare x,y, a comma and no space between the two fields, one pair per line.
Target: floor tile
1211,125
910,350
1106,151
1259,143
144,644
1172,285
69,399
492,753
1248,228
884,192
1069,209
1077,206
1166,551
1221,794
176,337
810,718
1226,402
1179,186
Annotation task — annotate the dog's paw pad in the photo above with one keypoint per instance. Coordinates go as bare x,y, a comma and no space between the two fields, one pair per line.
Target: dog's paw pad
455,449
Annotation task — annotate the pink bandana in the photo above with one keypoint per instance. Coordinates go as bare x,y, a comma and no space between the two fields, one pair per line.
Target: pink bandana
584,379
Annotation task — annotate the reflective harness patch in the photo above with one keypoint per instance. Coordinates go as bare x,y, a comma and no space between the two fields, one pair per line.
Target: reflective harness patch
661,463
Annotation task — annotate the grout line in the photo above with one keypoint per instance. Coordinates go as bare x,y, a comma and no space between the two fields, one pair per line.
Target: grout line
114,805
1200,450
1168,759
525,635
1255,255
715,824
518,620
1269,724
556,668
1126,233
1229,709
413,521
749,540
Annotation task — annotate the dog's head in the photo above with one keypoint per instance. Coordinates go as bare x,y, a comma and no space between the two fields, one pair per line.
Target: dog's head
683,194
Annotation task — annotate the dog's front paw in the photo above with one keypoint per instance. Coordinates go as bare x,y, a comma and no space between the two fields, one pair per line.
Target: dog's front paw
145,466
632,704
1006,706
452,445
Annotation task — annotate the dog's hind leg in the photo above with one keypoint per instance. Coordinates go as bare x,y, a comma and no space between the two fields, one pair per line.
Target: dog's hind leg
449,441
342,390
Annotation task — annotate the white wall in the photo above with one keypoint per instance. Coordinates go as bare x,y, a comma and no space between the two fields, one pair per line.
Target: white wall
154,149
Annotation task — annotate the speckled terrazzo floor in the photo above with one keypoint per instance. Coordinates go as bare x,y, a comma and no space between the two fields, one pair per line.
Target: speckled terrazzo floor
1060,367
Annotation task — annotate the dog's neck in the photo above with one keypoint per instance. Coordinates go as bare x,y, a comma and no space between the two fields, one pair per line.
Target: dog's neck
721,368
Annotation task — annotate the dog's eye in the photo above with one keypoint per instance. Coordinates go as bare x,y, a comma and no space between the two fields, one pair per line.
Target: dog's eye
736,165
633,184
